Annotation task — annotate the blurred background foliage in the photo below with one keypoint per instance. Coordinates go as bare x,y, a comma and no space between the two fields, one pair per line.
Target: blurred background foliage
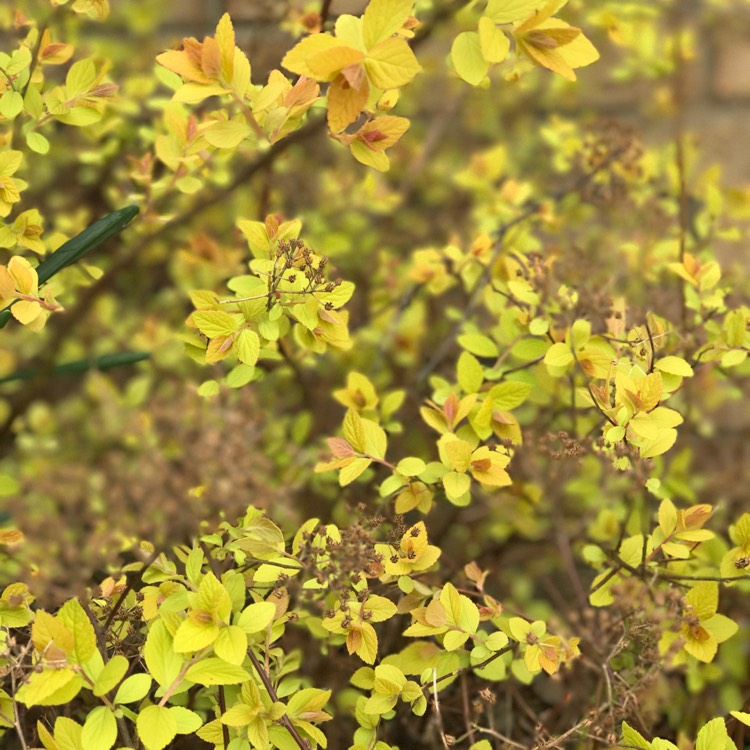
95,461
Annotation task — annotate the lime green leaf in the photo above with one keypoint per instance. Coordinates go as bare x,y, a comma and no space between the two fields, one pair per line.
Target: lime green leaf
674,366
84,637
99,729
742,716
559,355
410,467
81,77
214,323
509,395
67,734
469,63
247,346
194,634
481,346
161,660
231,643
228,134
188,722
470,373
257,617
43,685
215,671
133,689
37,142
156,727
114,670
713,736
11,104
365,155
631,737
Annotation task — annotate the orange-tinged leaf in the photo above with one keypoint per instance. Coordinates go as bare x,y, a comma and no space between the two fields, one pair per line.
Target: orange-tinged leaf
546,58
382,132
211,59
178,62
345,103
552,38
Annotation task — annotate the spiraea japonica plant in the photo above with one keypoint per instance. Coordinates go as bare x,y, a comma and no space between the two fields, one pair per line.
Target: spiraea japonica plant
401,417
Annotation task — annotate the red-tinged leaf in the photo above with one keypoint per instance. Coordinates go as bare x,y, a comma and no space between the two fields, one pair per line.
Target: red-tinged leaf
340,447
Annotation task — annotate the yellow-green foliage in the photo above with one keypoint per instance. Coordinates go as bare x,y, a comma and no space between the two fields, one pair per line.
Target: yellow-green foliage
487,515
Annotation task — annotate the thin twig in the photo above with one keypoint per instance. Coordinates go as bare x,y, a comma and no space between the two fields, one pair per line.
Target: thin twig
438,715
129,583
285,721
467,709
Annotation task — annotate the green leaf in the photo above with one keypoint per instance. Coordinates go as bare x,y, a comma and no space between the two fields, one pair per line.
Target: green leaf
631,737
161,660
42,686
157,727
410,467
11,104
247,346
559,355
674,366
133,689
81,77
481,346
188,722
99,729
741,716
713,736
509,395
114,670
215,671
214,323
468,60
227,134
68,734
470,373
257,617
194,634
231,644
456,484
37,142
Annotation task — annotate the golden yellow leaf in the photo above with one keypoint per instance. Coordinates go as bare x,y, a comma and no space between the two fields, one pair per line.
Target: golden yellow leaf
327,64
297,59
